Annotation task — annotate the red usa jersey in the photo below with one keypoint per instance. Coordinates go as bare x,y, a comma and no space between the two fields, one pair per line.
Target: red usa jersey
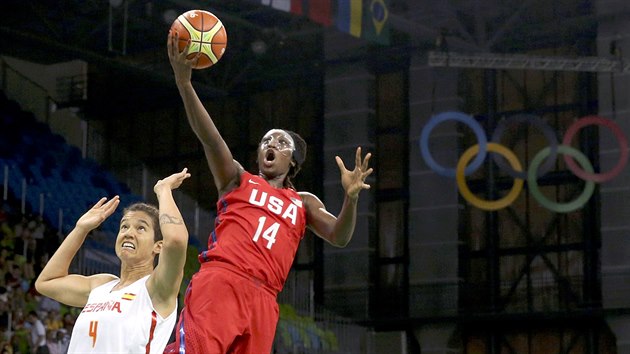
258,229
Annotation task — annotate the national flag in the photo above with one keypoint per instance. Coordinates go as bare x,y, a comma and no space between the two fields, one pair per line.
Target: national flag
293,6
365,19
375,16
350,16
299,7
128,296
282,5
319,11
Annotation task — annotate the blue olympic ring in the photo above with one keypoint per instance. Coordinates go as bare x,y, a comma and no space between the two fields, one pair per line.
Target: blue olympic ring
460,117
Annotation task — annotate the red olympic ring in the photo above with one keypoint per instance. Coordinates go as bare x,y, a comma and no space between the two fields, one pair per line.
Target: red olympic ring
621,140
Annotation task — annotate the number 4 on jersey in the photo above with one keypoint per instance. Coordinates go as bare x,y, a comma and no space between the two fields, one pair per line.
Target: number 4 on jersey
269,234
92,333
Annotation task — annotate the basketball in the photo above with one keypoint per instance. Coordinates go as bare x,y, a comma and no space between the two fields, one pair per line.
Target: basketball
206,34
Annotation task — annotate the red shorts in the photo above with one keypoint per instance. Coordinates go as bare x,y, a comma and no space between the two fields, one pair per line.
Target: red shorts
225,311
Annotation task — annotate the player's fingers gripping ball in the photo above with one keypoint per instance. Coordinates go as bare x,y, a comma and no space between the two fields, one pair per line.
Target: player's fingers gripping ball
206,34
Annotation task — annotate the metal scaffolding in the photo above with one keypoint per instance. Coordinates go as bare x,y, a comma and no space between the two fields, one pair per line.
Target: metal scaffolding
525,62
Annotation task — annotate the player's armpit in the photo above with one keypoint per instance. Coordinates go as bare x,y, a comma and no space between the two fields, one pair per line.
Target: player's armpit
72,289
318,219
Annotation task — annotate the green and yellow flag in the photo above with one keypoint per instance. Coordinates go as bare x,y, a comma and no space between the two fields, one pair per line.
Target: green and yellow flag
367,19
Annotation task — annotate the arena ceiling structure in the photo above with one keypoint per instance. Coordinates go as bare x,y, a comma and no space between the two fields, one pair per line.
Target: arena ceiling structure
266,43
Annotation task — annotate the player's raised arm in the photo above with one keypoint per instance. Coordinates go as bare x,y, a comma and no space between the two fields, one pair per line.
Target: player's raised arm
165,282
219,157
338,230
54,281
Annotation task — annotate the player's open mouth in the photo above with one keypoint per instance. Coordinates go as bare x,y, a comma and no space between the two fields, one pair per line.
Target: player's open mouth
270,155
128,245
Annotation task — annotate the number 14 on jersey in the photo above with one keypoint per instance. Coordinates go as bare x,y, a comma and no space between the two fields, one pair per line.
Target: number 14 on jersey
267,233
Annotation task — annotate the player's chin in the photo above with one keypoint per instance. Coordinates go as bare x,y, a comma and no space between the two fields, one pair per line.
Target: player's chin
272,170
124,253
266,168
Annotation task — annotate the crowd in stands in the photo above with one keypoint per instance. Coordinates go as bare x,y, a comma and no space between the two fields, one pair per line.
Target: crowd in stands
56,172
32,154
29,322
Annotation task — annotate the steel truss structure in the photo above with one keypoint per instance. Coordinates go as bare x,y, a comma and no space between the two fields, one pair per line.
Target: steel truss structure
525,62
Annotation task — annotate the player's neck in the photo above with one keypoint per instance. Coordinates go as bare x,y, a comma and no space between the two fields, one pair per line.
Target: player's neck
276,182
129,276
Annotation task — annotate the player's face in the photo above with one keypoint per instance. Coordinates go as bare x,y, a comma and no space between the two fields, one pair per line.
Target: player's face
276,151
280,140
136,237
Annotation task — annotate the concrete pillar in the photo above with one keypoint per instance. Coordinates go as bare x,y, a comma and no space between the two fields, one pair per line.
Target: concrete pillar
433,209
349,112
614,103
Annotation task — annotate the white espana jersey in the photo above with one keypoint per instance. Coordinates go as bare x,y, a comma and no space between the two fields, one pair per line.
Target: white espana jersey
121,321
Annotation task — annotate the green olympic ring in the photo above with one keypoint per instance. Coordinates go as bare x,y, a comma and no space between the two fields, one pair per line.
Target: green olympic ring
537,194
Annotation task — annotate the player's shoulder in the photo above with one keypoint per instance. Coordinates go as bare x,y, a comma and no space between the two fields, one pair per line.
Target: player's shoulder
310,200
306,195
99,279
233,182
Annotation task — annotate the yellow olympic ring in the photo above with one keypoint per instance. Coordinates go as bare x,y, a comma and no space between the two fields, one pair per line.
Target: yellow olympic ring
488,204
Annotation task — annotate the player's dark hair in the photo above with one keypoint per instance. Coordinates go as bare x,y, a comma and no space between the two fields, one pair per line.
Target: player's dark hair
153,213
299,155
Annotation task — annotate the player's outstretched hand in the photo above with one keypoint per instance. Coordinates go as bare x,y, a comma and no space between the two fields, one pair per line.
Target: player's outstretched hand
173,181
182,67
98,213
354,181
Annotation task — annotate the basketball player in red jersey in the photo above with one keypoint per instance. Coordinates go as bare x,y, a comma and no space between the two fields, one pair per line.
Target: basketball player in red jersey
230,305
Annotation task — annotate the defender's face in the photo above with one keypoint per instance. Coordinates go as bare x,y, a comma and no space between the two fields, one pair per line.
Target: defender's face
136,236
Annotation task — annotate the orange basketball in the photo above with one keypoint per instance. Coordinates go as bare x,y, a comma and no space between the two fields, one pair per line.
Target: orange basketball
206,34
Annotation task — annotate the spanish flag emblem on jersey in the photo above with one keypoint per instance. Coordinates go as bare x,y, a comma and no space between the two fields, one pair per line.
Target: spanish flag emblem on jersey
128,296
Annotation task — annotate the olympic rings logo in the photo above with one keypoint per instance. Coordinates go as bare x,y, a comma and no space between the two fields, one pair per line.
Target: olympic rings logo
542,162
